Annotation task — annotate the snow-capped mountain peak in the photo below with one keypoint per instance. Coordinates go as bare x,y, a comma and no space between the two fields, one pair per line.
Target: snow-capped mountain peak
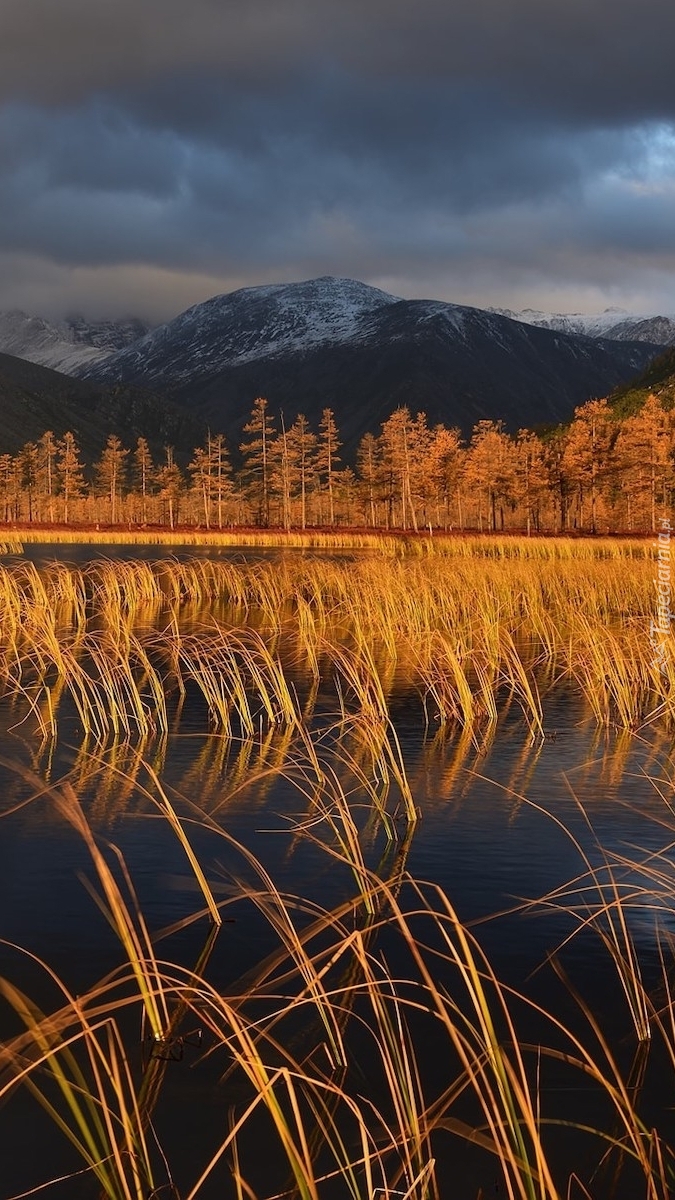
267,321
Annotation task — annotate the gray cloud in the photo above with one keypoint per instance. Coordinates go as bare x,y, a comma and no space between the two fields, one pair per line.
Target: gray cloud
450,148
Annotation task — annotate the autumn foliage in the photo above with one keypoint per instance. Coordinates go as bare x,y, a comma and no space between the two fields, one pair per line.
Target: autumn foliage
602,473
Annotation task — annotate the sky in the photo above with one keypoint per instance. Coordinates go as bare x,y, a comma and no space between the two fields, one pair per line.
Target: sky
512,153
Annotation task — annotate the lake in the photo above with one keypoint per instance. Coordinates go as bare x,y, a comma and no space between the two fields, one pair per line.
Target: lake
528,833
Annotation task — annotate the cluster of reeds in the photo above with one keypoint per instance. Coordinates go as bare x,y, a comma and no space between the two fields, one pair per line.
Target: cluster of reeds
395,544
389,968
124,641
251,539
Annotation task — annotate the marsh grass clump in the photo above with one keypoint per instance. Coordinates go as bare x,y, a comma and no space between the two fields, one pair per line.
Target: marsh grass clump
470,627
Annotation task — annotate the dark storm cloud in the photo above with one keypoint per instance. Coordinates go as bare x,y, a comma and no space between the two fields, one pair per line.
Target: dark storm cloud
264,139
609,58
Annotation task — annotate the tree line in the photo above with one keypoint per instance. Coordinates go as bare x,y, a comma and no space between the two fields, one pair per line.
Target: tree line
602,472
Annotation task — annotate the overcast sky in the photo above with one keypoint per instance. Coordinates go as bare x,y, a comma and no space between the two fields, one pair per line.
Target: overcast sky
491,152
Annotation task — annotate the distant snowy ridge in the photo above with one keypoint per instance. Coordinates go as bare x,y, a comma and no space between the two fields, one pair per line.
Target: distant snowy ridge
65,346
614,323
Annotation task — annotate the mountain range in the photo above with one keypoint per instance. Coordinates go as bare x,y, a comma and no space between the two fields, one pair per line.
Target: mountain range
338,343
341,344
